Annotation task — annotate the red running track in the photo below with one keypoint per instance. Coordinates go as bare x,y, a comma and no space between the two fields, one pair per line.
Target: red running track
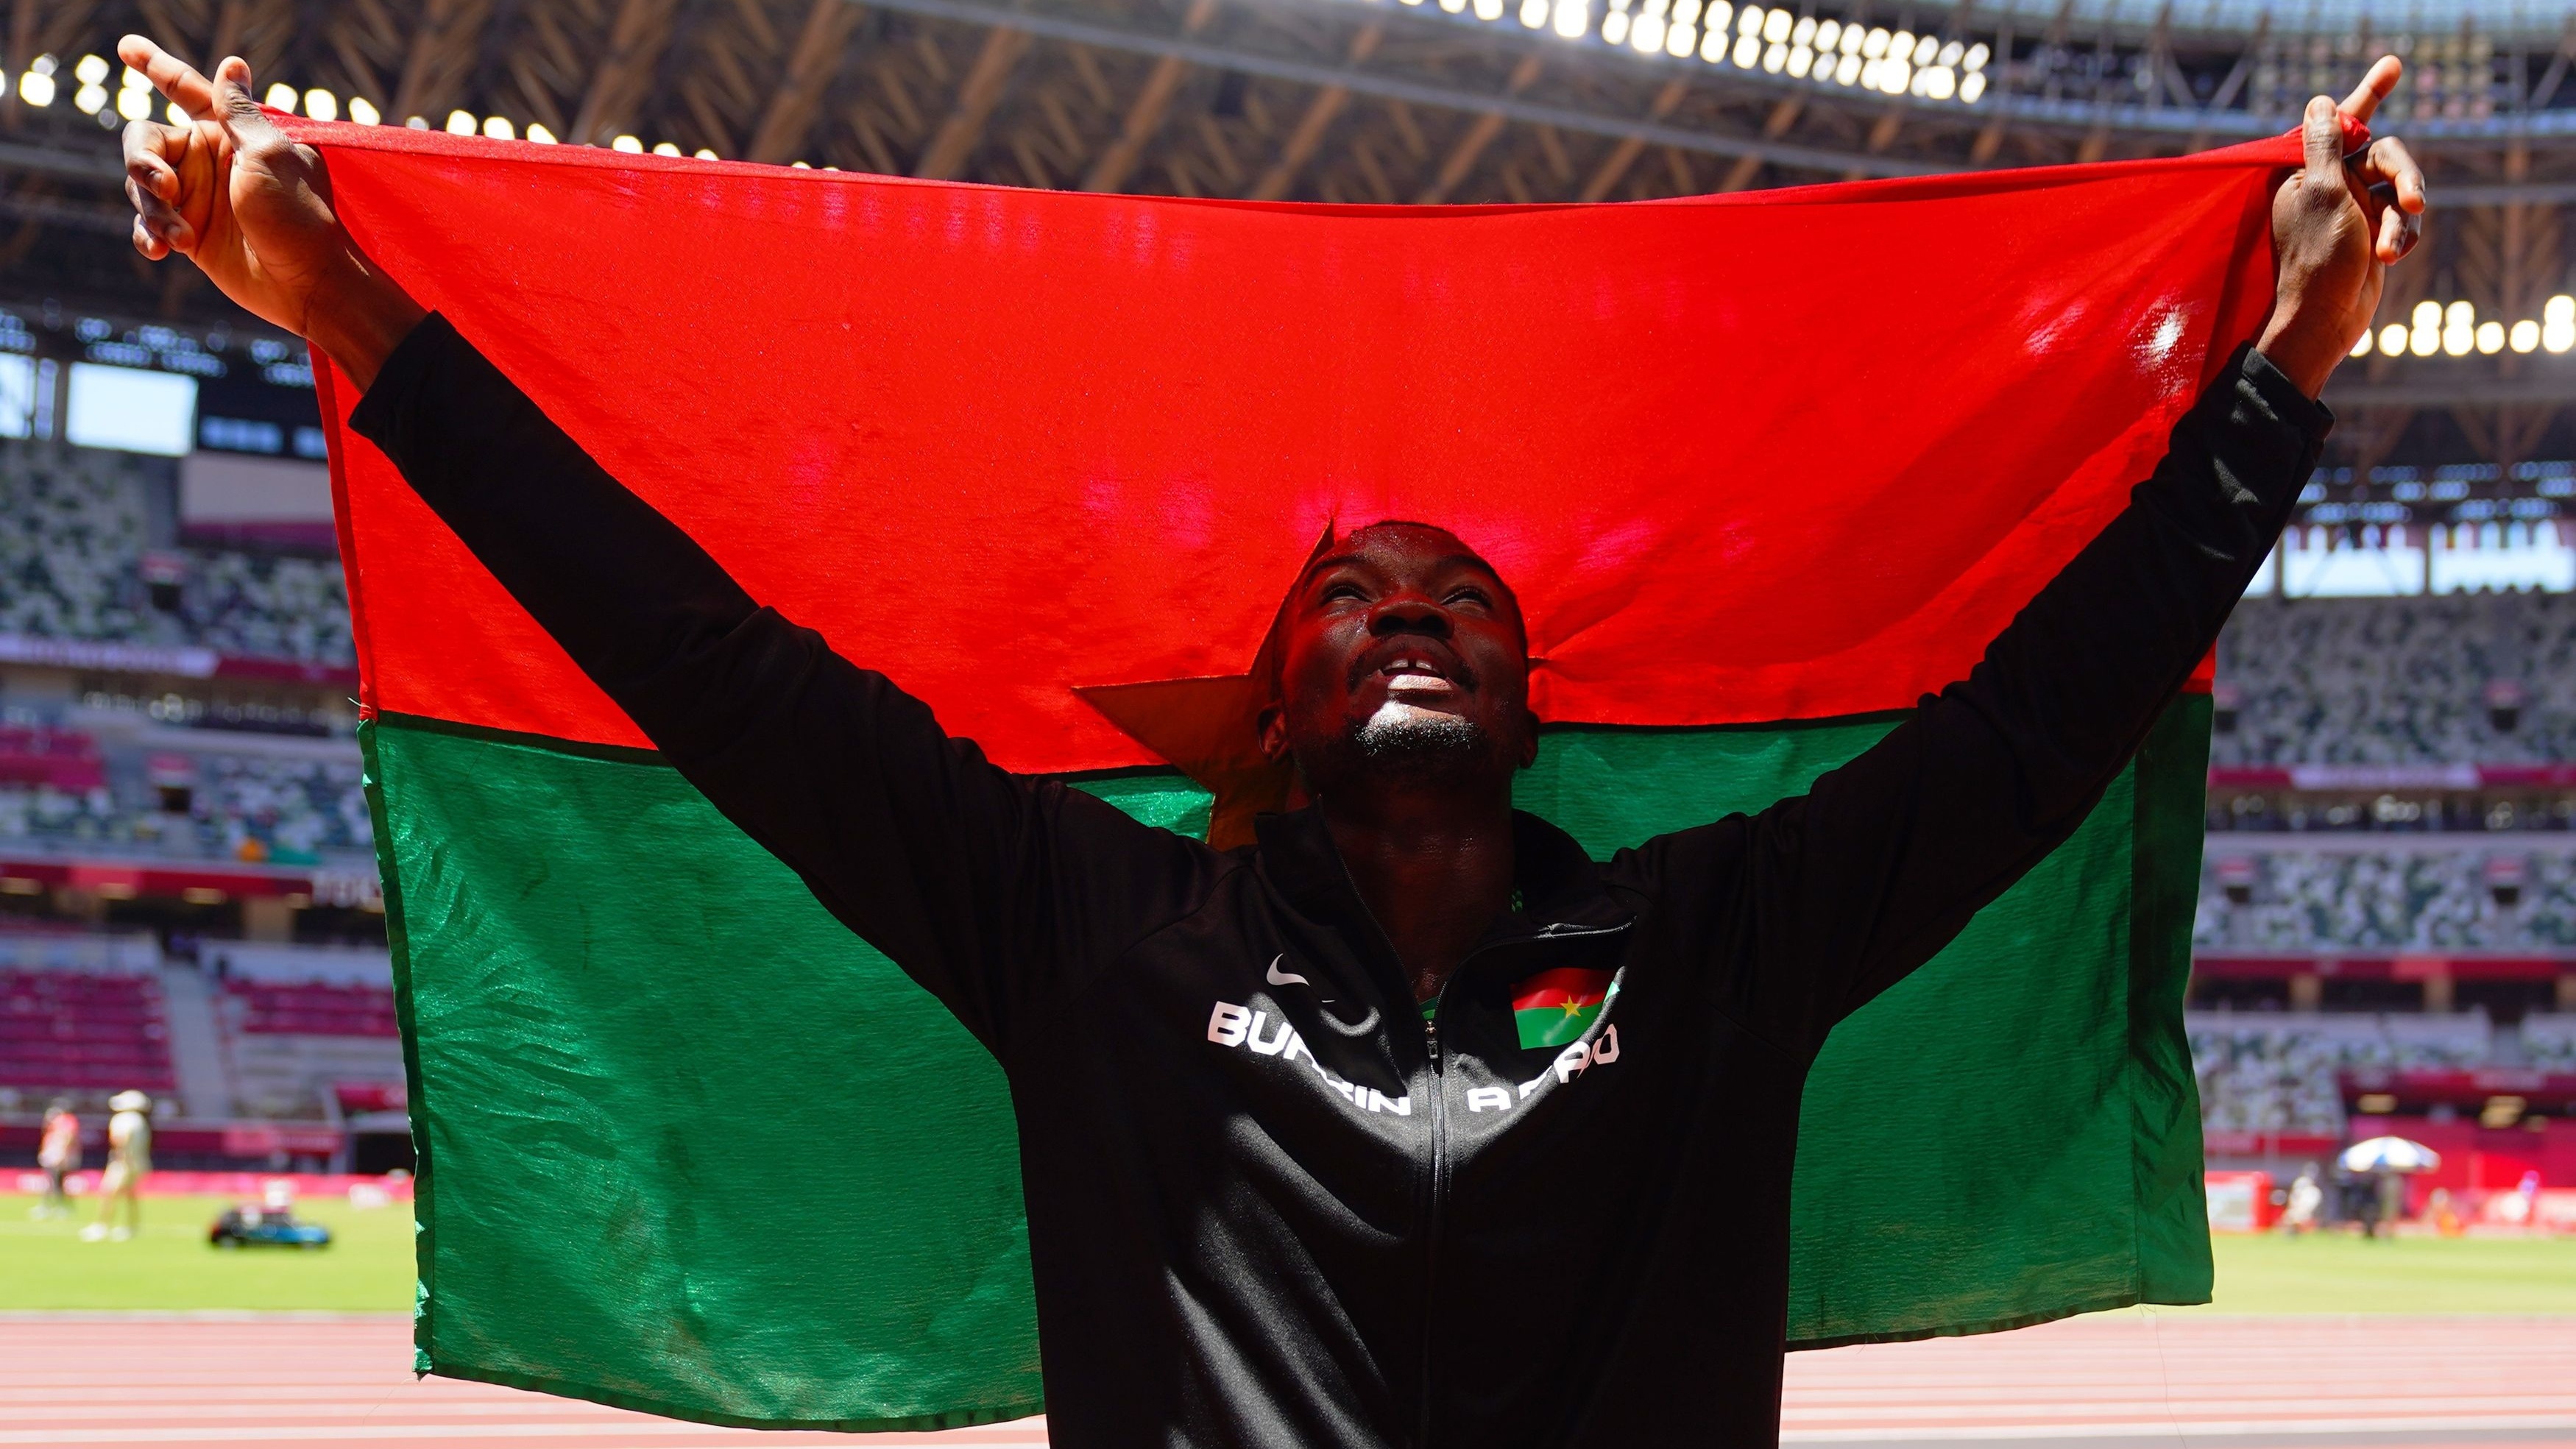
2109,1380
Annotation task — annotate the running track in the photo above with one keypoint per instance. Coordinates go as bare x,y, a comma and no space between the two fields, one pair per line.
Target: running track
2112,1381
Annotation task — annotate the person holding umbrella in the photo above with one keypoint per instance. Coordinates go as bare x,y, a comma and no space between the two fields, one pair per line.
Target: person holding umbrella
2387,1161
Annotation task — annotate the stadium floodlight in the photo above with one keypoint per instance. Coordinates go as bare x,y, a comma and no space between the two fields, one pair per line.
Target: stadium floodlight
1828,35
1804,32
627,144
1573,18
2459,329
1976,57
499,128
2525,336
1534,14
2490,338
90,100
1683,37
2392,339
1973,87
1801,60
134,105
1453,6
706,153
321,105
1712,45
1874,44
1748,51
1949,56
2558,323
36,87
460,123
363,111
91,72
1776,24
665,148
1940,83
280,97
1775,56
1614,26
2361,347
1489,9
538,133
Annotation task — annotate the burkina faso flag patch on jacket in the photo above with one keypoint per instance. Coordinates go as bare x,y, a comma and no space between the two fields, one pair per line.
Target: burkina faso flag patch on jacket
1557,1007
1049,462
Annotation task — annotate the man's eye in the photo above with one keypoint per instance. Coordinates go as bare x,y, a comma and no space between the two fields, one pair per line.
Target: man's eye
1470,596
1342,591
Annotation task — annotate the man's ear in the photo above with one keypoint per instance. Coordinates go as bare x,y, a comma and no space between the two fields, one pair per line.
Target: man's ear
1272,722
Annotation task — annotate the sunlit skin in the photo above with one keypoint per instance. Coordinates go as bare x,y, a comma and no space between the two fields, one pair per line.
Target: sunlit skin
1406,616
1426,834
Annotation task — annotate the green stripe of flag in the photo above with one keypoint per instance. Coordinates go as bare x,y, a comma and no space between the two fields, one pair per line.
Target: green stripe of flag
679,1129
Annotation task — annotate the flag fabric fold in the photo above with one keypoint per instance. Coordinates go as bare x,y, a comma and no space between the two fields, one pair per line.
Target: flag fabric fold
1763,469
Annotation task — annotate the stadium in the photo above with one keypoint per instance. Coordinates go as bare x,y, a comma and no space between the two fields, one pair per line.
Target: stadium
2382,939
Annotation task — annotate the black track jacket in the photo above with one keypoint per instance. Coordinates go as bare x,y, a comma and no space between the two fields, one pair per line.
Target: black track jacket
1266,1206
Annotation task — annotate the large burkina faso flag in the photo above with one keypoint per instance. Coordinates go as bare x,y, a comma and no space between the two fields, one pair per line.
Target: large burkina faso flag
1763,468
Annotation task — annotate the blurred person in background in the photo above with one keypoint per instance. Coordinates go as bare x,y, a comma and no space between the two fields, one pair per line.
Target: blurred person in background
2300,1216
129,1161
59,1154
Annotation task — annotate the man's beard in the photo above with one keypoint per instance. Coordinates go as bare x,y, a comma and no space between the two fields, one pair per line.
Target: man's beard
1402,736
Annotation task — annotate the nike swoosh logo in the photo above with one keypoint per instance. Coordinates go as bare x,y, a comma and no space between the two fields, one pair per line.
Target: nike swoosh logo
1277,977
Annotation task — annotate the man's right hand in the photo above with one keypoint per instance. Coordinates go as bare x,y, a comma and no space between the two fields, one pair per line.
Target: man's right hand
252,209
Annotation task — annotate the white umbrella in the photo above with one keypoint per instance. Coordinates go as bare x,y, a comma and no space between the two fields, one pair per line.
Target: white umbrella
2390,1154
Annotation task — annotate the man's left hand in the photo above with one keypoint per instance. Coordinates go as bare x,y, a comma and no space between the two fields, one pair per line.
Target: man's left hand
2337,224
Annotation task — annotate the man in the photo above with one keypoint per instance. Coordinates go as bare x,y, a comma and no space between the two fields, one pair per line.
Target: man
129,1161
58,1152
1293,1177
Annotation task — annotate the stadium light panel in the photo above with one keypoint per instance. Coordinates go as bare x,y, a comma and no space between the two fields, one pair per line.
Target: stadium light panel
627,144
2525,336
1874,45
1681,40
1804,32
36,88
1801,60
1775,26
1950,54
1939,83
1976,57
538,133
131,409
1828,35
706,153
1775,58
1573,18
363,111
2392,339
1712,45
1453,6
665,148
2361,347
2490,338
1748,51
1614,26
90,100
321,105
1973,87
1853,39
280,97
90,70
499,128
134,105
1489,9
1534,14
460,123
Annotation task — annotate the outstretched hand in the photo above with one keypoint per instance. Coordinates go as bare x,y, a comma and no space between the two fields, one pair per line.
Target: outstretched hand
2337,225
228,191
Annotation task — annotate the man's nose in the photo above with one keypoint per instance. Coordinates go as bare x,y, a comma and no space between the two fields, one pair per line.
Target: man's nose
1409,614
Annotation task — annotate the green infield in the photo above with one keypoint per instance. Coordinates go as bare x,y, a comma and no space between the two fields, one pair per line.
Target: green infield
368,1268
169,1266
2344,1273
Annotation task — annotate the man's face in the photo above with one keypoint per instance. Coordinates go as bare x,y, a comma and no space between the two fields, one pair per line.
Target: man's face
1402,651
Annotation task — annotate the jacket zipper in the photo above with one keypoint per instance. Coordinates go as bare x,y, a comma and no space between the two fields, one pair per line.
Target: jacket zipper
1439,1168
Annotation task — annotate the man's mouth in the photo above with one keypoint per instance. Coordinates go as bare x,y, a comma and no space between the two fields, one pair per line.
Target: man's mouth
1415,676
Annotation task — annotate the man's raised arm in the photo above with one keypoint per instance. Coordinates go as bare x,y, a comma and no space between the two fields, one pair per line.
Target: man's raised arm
992,890
1849,887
